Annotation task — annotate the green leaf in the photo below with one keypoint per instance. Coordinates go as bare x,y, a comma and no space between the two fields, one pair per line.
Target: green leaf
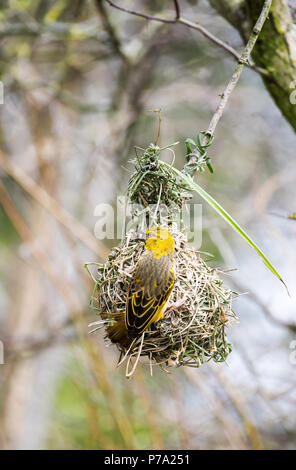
188,150
190,141
222,212
209,164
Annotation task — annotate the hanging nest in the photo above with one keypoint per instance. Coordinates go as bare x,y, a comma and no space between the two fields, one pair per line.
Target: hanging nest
193,329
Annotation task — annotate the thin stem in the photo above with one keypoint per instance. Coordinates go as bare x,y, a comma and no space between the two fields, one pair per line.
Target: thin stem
141,15
110,29
210,36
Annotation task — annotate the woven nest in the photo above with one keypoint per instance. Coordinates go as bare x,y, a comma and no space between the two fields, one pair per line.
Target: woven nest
193,330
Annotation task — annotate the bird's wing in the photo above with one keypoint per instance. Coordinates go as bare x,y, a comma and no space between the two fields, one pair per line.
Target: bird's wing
141,310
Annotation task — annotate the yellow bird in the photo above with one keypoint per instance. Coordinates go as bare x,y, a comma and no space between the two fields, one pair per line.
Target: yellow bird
149,290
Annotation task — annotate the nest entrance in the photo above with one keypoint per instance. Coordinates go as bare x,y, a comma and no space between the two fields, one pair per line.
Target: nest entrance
193,329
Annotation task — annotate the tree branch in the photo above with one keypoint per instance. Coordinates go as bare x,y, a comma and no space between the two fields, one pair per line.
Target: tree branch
275,50
211,37
243,60
141,15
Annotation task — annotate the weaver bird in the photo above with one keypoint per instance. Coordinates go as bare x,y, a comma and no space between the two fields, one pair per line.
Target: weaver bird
149,289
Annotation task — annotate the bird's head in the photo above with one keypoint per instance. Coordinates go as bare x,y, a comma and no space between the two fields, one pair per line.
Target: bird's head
160,242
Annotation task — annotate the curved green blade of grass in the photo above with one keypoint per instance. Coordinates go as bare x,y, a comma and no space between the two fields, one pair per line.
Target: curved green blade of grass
222,212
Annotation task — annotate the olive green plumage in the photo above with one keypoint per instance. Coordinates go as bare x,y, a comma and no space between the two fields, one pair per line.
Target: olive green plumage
149,290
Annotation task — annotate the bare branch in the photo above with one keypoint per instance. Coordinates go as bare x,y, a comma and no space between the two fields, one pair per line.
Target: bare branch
141,15
243,60
211,37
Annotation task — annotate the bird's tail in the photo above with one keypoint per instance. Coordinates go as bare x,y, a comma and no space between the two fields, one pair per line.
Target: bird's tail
117,331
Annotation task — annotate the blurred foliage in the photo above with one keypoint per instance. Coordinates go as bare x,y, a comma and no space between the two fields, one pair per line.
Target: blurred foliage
81,417
8,234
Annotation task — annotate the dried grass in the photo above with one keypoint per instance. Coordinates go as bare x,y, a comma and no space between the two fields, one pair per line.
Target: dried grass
193,330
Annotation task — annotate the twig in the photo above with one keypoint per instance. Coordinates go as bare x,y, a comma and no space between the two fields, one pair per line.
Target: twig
51,205
192,25
211,37
243,60
141,15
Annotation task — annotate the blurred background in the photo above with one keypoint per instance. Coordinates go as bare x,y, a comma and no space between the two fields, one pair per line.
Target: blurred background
79,80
